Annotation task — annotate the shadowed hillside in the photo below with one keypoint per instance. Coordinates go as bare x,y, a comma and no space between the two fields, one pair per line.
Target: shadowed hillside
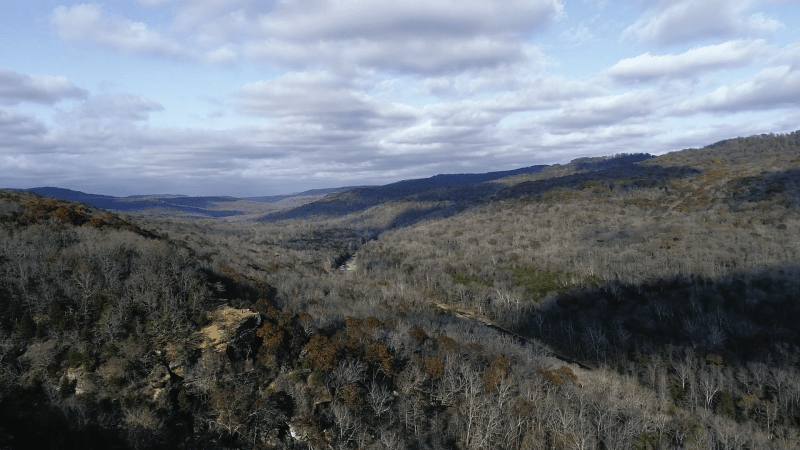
455,188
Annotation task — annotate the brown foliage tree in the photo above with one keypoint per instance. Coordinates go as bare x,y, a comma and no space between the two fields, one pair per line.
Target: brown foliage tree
434,367
379,354
322,352
272,337
447,344
497,370
418,333
562,375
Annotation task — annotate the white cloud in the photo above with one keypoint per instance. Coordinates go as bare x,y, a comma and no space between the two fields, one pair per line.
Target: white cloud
415,36
416,56
680,21
455,138
599,4
692,62
378,20
433,136
117,107
213,20
578,35
418,37
426,37
512,92
588,141
465,113
321,99
86,22
439,56
469,83
548,92
124,158
789,54
773,88
17,87
220,55
16,128
607,110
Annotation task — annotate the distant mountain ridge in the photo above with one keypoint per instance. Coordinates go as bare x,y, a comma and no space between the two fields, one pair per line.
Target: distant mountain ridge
192,205
311,192
337,201
440,195
459,178
226,206
460,188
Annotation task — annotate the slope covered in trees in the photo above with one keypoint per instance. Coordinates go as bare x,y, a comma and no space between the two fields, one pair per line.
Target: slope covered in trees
445,194
610,303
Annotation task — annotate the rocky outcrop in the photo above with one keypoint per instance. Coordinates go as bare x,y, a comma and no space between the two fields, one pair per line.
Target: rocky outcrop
229,326
81,381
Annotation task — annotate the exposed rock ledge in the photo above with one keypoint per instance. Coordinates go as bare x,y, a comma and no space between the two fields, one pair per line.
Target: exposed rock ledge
227,325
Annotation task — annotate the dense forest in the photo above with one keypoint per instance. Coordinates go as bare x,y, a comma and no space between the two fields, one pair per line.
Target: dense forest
621,302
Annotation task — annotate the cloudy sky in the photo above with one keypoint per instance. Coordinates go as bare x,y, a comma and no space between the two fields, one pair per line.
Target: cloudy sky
246,97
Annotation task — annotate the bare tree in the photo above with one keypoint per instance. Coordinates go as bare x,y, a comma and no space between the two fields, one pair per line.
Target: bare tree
348,371
348,424
379,399
710,382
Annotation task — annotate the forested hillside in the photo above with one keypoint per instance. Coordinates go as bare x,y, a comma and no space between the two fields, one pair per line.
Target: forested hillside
610,303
